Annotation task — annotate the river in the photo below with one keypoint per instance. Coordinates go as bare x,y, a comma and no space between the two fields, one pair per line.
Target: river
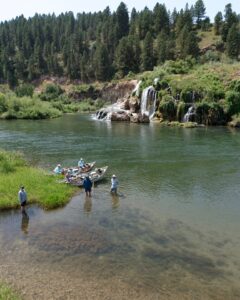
172,233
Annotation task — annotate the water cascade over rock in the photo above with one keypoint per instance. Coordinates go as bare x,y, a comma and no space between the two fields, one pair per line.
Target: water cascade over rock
189,116
148,101
132,108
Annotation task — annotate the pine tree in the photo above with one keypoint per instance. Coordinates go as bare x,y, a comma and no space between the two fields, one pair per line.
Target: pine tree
147,53
122,19
199,12
230,19
161,19
218,20
101,63
233,42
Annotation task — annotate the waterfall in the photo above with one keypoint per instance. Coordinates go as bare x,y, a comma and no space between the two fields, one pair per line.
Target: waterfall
190,112
148,101
136,90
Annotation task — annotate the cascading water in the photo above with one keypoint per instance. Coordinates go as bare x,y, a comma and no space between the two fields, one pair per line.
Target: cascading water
148,101
189,114
136,90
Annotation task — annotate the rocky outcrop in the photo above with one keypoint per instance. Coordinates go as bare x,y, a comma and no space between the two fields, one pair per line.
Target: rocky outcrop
112,92
120,116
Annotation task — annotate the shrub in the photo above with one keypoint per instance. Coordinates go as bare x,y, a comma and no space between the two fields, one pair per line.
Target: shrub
210,113
235,86
178,66
233,102
51,92
168,109
180,110
28,108
3,103
24,90
210,56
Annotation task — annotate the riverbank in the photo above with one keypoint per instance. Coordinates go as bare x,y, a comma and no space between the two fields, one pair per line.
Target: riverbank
41,188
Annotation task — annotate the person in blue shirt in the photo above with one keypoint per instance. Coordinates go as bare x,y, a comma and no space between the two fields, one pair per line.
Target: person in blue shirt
58,169
87,183
114,184
22,197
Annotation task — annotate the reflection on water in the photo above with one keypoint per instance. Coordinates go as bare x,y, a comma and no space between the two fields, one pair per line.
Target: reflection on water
25,222
115,201
88,205
173,229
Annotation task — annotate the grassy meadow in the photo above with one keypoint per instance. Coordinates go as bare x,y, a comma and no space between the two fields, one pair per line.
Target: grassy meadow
6,293
42,188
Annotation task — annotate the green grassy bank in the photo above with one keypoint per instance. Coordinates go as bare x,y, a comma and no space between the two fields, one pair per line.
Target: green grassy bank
41,188
7,294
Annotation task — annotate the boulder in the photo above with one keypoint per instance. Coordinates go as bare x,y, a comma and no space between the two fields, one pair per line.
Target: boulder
134,118
120,116
143,118
134,105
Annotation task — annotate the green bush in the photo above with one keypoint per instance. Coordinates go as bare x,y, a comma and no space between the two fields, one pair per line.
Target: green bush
168,109
28,108
3,103
25,90
234,86
51,92
210,56
181,106
210,113
179,66
233,102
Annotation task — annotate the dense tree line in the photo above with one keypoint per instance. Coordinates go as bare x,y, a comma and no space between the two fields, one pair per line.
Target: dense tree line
104,45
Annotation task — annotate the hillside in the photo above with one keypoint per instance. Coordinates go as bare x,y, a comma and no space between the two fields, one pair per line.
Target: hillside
109,45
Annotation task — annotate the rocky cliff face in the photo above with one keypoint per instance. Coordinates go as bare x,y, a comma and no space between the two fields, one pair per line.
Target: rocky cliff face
112,92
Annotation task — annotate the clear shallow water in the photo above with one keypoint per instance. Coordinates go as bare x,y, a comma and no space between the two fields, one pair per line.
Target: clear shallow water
174,229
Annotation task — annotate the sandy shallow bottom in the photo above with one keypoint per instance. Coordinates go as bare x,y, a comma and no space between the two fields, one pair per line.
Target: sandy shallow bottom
76,253
42,283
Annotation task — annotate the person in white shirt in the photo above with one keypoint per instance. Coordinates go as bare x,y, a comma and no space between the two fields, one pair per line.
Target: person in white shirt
81,163
114,184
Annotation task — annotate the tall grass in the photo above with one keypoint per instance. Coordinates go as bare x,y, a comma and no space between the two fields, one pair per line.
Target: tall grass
13,107
7,294
41,188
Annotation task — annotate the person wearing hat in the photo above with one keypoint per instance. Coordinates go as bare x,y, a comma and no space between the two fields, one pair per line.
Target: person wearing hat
58,169
22,196
81,163
114,184
87,183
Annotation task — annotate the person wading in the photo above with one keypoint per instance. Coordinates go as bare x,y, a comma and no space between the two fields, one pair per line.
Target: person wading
87,183
22,196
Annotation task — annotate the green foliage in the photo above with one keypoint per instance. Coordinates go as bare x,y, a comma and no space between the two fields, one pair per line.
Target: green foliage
3,103
181,106
147,53
51,92
210,113
233,42
28,108
167,108
178,66
6,293
41,187
24,90
233,102
9,161
218,20
210,56
234,86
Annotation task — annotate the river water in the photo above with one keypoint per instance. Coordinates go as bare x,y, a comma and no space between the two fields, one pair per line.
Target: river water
173,232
